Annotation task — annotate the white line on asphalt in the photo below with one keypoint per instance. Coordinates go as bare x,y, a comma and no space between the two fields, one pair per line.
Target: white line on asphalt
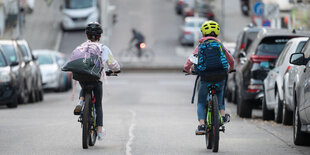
58,40
131,135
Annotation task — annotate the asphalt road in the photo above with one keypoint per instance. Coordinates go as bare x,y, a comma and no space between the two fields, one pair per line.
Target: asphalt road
144,113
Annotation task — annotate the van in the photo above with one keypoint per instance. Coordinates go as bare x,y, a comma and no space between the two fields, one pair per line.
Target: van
76,14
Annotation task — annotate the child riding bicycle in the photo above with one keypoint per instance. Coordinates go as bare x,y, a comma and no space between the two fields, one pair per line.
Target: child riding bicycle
216,55
93,32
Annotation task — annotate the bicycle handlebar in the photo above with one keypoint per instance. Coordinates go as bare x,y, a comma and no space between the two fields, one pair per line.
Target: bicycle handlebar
111,73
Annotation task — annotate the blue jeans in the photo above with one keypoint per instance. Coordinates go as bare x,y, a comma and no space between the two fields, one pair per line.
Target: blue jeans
203,93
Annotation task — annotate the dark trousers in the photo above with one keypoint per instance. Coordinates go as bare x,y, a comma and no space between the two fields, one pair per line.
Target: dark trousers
97,91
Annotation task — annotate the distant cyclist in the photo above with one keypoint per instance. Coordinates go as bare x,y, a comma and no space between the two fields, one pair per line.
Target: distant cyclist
210,30
93,32
137,38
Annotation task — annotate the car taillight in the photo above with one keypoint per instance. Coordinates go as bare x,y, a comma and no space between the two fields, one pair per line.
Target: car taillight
288,68
181,2
242,46
187,32
190,13
254,88
142,45
261,58
210,14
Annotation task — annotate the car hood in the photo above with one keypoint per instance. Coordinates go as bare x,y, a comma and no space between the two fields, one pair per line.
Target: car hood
79,13
4,69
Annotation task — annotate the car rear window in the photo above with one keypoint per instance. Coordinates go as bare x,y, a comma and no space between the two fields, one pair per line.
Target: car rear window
45,59
272,45
192,24
9,52
2,60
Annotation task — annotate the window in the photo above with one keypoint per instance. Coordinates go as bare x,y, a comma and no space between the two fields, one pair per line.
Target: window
283,54
2,60
272,45
9,52
306,49
79,4
44,59
300,46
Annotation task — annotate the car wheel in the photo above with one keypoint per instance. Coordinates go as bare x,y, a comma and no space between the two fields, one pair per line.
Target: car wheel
23,96
287,116
41,95
32,96
278,109
243,107
267,114
299,136
13,104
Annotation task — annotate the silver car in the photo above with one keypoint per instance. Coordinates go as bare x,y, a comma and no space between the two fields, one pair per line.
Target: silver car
277,78
52,76
191,28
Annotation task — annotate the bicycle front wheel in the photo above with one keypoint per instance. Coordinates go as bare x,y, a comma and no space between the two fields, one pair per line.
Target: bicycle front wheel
93,132
215,124
86,121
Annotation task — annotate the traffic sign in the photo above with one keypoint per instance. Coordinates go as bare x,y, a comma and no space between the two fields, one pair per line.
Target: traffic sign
258,8
267,23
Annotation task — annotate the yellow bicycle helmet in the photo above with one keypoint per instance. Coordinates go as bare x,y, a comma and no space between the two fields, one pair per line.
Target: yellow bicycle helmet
210,26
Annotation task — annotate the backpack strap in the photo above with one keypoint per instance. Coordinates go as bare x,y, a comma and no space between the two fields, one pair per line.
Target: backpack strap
195,86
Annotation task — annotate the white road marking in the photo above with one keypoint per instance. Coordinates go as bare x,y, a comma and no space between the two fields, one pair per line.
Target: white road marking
131,134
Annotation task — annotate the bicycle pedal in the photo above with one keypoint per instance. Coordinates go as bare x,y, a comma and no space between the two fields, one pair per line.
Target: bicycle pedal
222,128
200,134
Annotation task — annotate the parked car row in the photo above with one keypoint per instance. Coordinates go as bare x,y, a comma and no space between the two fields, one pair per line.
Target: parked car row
23,74
186,8
272,68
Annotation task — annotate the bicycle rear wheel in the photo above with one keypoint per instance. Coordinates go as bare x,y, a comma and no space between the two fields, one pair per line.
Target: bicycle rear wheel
208,134
86,122
93,132
215,124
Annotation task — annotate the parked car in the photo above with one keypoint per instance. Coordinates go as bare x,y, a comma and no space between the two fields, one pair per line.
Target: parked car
19,72
244,40
180,5
52,75
36,90
301,119
273,103
203,10
255,65
9,87
189,29
245,7
67,76
76,14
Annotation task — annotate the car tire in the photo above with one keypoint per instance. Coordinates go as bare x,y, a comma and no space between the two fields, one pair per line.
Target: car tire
278,109
13,104
300,138
32,96
41,95
228,95
267,114
243,107
287,116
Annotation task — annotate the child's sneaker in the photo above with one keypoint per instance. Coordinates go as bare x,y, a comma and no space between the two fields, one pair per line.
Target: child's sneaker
201,130
101,135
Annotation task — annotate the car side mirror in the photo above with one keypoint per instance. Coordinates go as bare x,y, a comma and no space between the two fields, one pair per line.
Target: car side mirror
298,59
14,64
34,57
242,54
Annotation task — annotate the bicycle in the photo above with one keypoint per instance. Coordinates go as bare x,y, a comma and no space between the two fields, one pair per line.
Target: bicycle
132,54
213,118
88,115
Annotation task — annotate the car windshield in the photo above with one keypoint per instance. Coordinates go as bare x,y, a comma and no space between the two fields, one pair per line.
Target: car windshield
2,60
192,24
248,39
300,46
9,52
78,4
45,59
24,50
272,45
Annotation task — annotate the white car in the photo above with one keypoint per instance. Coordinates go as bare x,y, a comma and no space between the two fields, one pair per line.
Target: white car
274,96
76,14
52,77
191,28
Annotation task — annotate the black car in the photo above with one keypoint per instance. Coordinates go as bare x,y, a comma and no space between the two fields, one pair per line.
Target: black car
13,88
301,119
245,7
180,4
35,79
255,64
244,40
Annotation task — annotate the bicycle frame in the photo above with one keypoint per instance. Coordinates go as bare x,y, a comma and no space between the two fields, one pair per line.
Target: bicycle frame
209,104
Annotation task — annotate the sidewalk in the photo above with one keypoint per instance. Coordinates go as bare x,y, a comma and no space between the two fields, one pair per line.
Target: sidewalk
42,29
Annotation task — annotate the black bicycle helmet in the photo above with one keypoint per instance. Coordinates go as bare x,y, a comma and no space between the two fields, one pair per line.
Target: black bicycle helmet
93,30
